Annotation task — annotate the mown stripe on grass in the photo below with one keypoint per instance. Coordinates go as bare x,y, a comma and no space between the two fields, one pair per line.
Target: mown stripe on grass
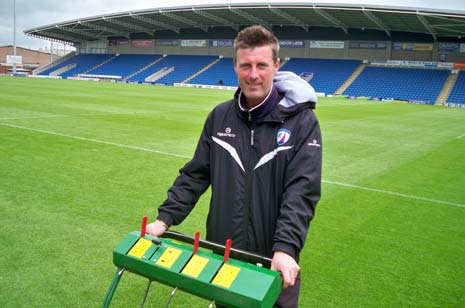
387,192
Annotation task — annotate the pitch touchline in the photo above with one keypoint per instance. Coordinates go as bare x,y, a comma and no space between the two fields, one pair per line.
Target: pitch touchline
70,116
38,117
461,136
94,140
395,193
188,157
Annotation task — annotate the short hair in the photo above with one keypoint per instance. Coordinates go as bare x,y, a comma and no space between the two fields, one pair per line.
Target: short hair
256,36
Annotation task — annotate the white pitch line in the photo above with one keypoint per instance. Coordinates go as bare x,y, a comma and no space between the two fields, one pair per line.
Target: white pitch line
41,117
69,115
35,117
393,193
188,157
95,140
461,136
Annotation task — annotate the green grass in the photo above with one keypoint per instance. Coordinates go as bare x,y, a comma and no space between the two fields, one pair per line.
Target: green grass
79,167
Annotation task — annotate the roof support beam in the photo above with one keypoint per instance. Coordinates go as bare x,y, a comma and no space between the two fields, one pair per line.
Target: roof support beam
155,23
452,25
332,19
460,32
446,24
58,37
292,19
128,25
249,17
377,21
219,20
105,29
427,26
451,21
184,20
76,32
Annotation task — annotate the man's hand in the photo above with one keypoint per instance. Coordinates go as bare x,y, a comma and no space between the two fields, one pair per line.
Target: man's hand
284,263
156,228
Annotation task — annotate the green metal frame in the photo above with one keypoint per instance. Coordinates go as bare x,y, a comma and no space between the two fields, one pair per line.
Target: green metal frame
253,287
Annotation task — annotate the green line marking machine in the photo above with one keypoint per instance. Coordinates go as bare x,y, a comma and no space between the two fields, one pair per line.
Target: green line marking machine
221,274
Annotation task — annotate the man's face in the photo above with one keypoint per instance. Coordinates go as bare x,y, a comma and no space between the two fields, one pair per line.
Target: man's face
255,70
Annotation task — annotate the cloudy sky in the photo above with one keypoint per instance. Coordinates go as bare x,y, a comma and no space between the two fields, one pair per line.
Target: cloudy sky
30,14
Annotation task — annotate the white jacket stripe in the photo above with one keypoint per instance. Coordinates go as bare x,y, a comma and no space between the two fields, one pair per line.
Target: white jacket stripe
269,156
231,151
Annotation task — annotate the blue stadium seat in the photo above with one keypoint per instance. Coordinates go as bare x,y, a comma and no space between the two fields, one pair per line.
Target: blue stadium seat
223,70
328,74
184,66
124,65
399,83
83,62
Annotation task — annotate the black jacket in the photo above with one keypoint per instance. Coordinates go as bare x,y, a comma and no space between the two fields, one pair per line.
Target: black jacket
264,168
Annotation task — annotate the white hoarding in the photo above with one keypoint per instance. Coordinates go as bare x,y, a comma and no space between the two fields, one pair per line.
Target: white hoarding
10,59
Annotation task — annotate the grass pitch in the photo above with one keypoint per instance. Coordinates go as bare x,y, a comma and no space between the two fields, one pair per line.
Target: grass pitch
82,162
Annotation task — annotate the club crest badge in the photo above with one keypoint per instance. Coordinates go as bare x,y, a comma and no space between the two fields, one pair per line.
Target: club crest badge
283,136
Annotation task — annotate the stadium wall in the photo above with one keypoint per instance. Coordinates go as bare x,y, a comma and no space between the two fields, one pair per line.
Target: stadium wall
98,46
303,51
171,50
370,54
358,44
387,53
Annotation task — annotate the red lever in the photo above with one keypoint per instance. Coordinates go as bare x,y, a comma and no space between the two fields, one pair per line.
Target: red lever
196,242
226,250
144,226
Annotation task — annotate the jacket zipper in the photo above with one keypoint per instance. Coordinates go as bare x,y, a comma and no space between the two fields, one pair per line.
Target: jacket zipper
248,185
251,131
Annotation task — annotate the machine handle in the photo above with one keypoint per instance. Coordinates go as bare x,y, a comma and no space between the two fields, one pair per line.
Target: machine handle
220,249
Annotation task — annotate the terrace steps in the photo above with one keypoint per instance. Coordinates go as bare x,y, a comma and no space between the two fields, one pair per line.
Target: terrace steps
446,89
143,69
351,79
100,64
63,69
39,70
159,74
201,71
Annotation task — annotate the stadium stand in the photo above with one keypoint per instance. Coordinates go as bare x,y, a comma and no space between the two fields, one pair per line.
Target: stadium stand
458,91
141,76
82,63
184,66
328,74
124,65
399,83
223,70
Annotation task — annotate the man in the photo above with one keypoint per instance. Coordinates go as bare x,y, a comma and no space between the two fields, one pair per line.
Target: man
261,154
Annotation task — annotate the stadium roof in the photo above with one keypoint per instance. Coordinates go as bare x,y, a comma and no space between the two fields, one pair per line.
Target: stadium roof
308,15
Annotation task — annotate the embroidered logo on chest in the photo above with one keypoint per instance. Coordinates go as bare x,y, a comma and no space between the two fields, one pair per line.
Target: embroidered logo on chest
227,133
283,136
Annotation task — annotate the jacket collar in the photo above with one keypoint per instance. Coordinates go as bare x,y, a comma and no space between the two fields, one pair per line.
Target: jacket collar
289,95
257,114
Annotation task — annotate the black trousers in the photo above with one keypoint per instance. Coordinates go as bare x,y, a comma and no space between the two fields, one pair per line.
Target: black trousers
289,297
